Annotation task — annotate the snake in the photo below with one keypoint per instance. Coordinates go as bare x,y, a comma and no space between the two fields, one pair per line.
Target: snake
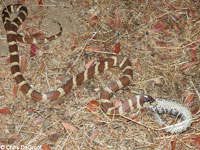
137,102
25,39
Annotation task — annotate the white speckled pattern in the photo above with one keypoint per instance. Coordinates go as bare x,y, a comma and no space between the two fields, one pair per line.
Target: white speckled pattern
175,109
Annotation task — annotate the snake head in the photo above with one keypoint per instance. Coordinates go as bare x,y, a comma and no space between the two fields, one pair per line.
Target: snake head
147,100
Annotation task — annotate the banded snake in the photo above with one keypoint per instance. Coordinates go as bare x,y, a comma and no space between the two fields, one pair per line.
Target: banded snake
137,102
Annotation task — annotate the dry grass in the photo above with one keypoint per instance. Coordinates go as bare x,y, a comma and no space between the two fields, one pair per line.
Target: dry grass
161,37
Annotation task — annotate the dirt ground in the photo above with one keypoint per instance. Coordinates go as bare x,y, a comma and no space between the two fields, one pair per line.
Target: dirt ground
161,38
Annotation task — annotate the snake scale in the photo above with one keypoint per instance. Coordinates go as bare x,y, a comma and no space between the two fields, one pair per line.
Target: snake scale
136,102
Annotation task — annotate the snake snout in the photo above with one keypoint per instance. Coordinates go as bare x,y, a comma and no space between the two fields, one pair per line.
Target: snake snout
149,99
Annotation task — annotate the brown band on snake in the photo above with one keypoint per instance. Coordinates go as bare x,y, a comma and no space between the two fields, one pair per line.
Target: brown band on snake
123,63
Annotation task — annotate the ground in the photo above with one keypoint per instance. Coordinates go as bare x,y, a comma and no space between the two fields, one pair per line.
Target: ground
161,38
